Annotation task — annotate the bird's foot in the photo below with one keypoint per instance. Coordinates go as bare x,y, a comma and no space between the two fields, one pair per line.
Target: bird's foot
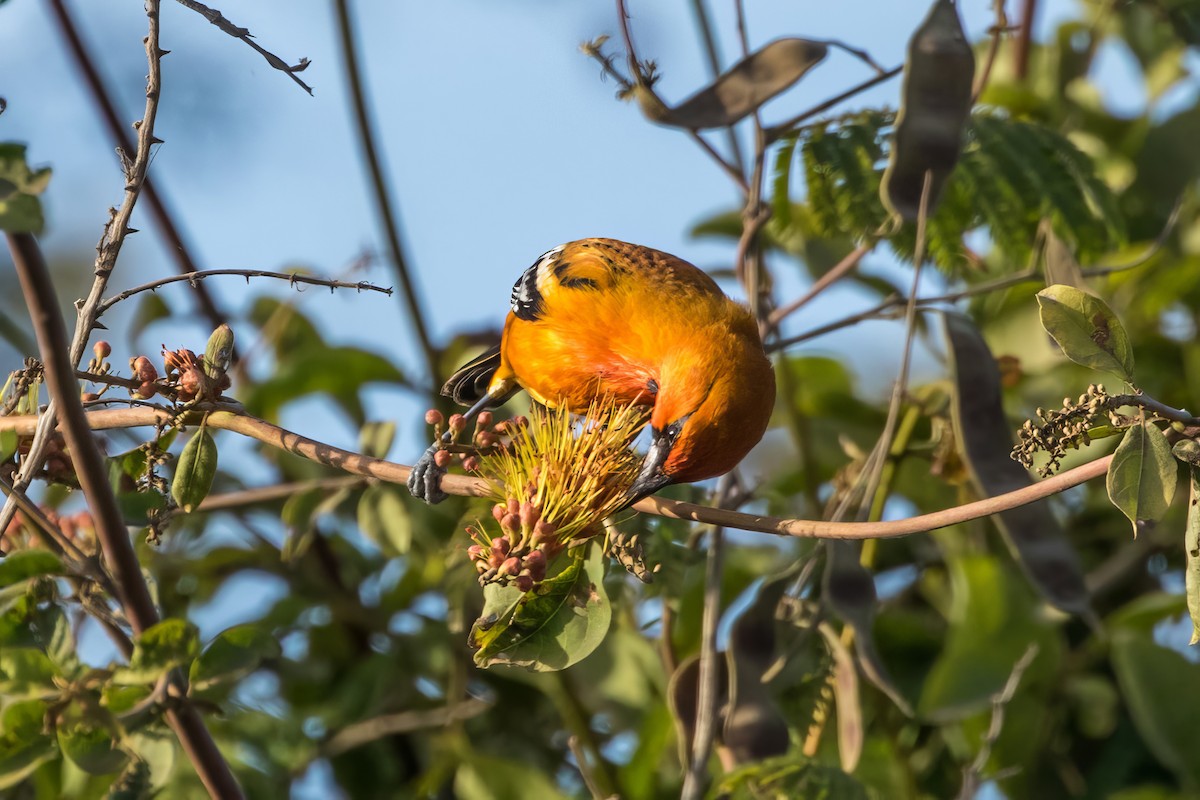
425,481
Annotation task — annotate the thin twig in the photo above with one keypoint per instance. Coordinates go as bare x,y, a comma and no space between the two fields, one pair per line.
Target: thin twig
232,419
269,494
218,19
383,200
997,31
163,219
585,770
775,132
131,589
369,730
861,55
107,251
880,310
910,330
639,79
695,781
709,39
194,279
835,274
973,774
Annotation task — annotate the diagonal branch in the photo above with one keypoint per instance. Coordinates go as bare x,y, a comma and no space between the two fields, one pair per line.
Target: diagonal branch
92,472
219,19
383,200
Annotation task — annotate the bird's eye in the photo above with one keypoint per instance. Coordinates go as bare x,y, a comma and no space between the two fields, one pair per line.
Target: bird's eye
673,430
652,386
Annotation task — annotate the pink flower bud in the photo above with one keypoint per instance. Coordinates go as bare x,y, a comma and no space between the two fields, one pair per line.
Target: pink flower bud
499,510
434,417
511,524
529,515
457,423
471,463
102,349
475,551
501,545
510,567
524,583
484,420
443,458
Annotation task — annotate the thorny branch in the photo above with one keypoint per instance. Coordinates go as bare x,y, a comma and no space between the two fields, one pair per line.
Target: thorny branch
115,544
109,248
194,279
117,132
218,19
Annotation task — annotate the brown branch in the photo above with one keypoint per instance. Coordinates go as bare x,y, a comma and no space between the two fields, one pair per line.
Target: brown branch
997,31
231,419
194,279
92,472
835,274
383,200
163,219
269,494
774,132
1024,40
219,20
700,11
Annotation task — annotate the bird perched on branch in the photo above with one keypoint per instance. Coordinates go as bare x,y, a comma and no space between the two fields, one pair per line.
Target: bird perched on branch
600,317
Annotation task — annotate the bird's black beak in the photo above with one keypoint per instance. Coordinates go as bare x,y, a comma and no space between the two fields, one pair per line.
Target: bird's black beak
652,477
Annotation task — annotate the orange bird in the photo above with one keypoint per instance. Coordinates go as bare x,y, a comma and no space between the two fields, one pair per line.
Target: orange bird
601,317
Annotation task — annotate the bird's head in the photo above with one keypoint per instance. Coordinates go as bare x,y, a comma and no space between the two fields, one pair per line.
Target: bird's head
706,417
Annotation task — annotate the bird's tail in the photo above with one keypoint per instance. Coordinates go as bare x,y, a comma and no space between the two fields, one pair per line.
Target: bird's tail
470,383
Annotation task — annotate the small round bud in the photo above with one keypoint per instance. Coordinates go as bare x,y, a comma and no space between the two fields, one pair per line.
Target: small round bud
143,369
544,531
511,566
147,390
475,551
471,463
514,505
102,349
434,417
511,524
484,420
501,545
443,458
190,383
524,583
499,510
457,423
486,439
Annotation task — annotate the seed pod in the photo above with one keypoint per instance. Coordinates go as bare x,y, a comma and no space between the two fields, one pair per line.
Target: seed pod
936,104
219,351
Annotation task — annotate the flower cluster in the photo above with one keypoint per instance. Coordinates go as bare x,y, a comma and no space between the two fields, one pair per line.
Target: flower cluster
186,378
78,527
557,477
1070,427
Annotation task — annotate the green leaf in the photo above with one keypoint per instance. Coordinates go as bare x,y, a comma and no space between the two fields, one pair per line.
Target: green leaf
1156,683
992,622
384,518
8,444
25,564
136,507
375,438
19,759
20,210
162,647
793,775
1142,476
550,627
1032,532
1191,547
1087,330
195,470
233,654
26,672
23,719
740,90
339,372
479,777
92,747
